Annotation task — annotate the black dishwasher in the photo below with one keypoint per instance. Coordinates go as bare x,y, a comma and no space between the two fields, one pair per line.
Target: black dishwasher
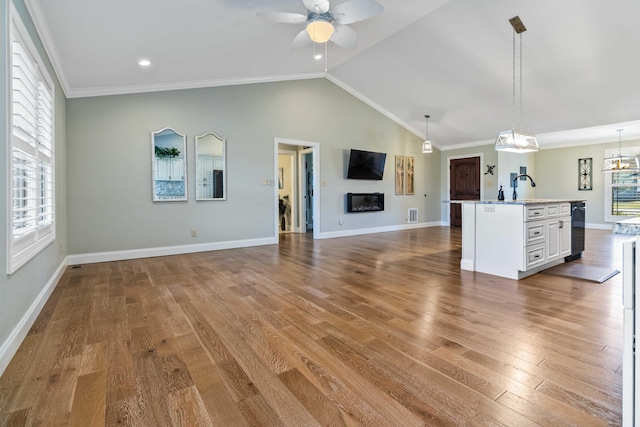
578,211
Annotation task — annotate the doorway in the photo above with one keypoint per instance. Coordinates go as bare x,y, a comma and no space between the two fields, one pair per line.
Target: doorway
305,157
300,210
287,190
464,184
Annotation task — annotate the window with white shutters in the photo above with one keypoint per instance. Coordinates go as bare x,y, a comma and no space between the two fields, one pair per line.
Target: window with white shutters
31,150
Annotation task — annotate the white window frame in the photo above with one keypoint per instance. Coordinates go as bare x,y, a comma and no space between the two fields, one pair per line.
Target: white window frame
608,185
31,222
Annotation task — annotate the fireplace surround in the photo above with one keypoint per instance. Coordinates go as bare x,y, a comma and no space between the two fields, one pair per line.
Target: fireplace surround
365,202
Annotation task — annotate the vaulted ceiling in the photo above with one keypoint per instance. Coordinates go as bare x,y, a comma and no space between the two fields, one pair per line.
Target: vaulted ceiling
451,59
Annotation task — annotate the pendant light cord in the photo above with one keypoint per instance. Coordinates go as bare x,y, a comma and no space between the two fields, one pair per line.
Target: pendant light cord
514,83
513,101
520,82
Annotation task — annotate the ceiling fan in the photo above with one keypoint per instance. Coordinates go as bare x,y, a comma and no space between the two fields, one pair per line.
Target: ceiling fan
326,23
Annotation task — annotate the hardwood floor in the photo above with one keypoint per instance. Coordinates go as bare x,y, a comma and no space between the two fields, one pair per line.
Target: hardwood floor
379,330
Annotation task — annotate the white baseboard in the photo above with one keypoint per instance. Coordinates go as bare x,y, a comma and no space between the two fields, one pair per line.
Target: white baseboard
467,264
167,250
13,341
360,231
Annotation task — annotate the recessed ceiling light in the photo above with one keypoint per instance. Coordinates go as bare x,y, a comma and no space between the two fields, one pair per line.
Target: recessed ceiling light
144,63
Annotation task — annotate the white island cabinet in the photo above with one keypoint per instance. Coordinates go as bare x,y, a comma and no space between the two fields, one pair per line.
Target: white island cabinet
515,239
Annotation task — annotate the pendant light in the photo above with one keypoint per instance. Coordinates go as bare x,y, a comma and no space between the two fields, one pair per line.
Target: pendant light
621,162
426,145
516,141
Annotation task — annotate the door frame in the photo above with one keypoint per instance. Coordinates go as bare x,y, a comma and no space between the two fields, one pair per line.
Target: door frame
293,158
315,147
301,186
448,193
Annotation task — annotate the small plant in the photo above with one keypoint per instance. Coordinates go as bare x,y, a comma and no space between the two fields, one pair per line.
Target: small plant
167,152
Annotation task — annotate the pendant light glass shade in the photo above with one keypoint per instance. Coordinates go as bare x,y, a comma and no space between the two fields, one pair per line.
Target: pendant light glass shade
426,145
621,162
516,141
320,31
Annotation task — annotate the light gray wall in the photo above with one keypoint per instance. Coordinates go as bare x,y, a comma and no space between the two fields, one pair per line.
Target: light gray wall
110,177
554,170
20,290
557,175
490,181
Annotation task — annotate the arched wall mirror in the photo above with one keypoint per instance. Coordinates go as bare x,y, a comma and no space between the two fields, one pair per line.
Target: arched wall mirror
211,170
169,165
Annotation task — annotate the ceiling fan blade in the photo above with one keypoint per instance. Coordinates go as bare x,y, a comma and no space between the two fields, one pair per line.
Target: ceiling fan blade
283,17
356,10
344,37
317,6
301,40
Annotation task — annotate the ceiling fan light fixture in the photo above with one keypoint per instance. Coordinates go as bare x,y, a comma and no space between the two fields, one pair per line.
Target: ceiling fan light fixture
320,31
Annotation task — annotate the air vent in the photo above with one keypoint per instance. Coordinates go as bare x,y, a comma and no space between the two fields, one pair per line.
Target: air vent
412,215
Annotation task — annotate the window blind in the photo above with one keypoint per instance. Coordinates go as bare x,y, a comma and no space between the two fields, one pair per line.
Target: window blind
32,148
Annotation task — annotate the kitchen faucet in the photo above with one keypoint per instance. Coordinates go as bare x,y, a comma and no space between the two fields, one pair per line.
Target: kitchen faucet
515,195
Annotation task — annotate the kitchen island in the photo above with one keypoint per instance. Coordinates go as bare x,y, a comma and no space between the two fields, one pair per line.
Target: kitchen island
514,239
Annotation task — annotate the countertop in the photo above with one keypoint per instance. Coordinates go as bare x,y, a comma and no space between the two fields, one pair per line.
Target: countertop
514,202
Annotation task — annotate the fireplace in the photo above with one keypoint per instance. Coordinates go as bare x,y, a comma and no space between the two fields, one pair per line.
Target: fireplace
365,202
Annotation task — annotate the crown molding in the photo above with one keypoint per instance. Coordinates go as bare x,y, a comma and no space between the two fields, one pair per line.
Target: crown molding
44,33
377,107
161,87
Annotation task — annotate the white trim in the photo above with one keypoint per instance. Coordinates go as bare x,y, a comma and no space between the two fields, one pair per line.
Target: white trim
10,346
468,145
167,250
378,108
608,186
293,182
360,231
199,84
21,251
301,186
44,32
6,85
571,138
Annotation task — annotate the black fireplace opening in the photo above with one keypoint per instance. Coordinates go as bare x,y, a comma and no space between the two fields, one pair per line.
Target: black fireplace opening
365,202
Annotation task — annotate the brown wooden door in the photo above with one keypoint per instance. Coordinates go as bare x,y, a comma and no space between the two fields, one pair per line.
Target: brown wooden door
464,184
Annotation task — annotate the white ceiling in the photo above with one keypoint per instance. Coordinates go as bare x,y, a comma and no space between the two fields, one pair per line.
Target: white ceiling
451,59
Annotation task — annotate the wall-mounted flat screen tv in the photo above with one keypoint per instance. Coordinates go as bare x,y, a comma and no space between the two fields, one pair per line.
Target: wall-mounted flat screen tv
366,165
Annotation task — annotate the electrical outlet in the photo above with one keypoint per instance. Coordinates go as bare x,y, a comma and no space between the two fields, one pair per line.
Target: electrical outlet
194,232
